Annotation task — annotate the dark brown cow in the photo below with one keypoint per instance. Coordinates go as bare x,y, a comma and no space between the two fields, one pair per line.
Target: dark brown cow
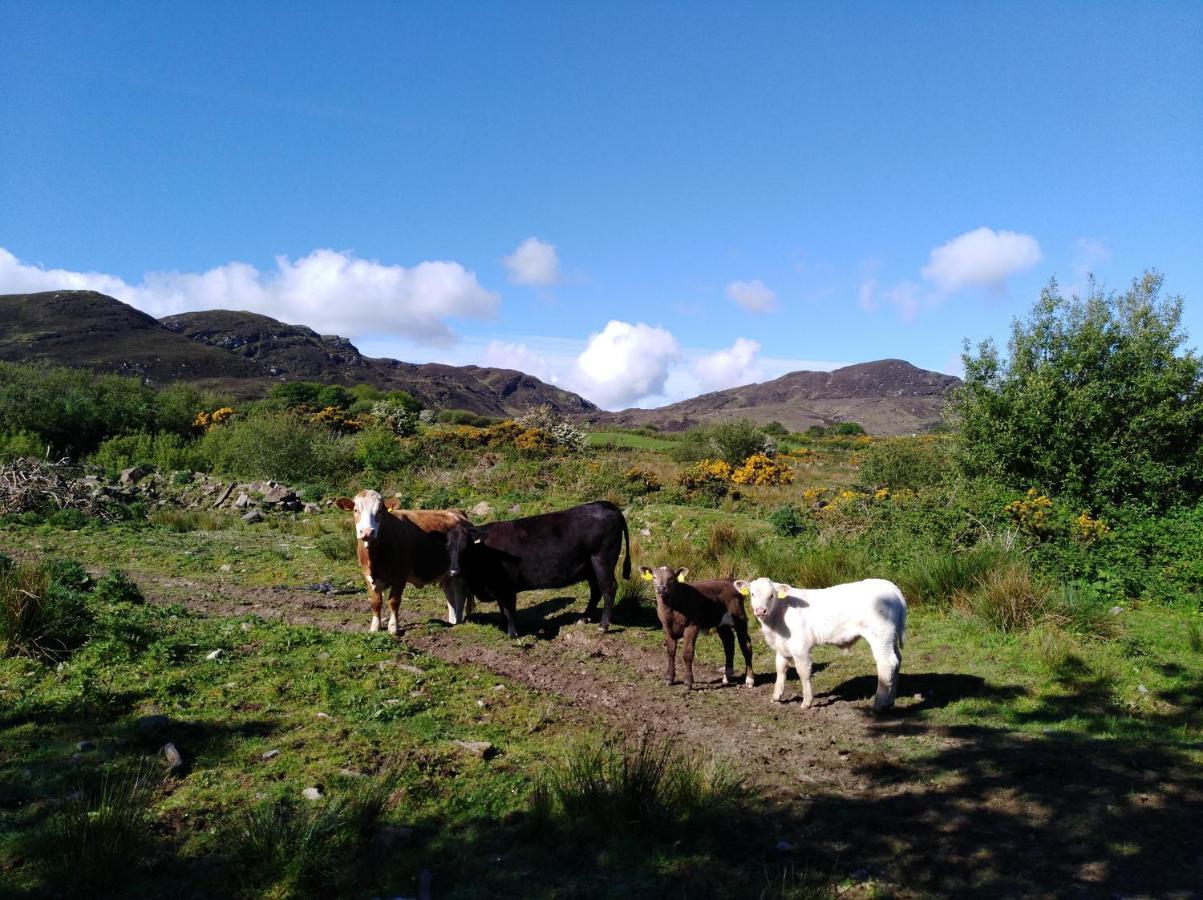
685,607
405,546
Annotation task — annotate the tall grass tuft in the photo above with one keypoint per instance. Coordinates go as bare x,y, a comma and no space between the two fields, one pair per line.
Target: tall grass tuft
935,577
312,850
1078,606
102,833
1008,597
645,789
39,617
182,520
725,539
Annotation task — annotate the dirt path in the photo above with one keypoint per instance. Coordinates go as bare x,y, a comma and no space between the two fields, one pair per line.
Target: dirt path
908,807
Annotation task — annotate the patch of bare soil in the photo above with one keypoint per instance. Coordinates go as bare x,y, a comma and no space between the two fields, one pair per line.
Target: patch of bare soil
906,807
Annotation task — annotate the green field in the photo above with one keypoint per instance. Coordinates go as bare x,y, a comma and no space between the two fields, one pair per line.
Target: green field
1069,736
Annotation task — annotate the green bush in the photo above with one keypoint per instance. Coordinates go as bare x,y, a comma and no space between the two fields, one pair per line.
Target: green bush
378,451
914,463
279,446
1097,402
18,444
117,587
788,521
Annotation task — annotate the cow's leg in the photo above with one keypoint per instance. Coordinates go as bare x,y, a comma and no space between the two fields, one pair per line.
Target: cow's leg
802,664
595,593
670,650
727,636
377,597
782,668
691,638
456,591
745,647
509,606
394,604
889,661
604,573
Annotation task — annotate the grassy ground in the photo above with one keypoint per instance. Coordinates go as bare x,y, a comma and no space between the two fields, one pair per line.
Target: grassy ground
1041,760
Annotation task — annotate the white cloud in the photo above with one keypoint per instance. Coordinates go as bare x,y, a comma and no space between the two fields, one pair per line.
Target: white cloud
728,368
535,263
504,355
623,363
866,297
754,296
980,258
328,290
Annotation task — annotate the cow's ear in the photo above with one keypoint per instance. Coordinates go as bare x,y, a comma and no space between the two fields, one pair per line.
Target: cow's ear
344,503
645,573
782,591
682,573
392,503
742,587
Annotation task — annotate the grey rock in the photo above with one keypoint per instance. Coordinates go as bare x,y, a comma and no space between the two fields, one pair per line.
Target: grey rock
253,516
1142,689
175,759
1115,610
311,508
242,500
480,510
278,494
84,746
271,754
225,567
312,793
213,654
483,749
134,474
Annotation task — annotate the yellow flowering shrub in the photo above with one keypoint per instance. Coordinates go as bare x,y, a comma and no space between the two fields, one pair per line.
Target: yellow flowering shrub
813,495
1032,513
881,494
643,480
703,473
205,419
1088,530
336,418
760,469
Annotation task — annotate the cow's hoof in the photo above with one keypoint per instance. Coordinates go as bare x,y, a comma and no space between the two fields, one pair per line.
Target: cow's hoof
604,627
583,620
750,682
668,681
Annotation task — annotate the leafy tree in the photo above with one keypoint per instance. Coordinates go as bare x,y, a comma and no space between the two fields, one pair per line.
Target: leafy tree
1097,400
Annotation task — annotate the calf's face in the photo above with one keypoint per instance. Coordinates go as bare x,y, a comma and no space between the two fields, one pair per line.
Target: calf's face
664,579
368,507
763,594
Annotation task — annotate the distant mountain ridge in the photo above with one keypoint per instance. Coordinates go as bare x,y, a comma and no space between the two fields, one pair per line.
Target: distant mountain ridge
244,353
888,396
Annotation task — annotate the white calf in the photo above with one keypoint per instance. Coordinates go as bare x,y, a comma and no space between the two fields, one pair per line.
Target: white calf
793,620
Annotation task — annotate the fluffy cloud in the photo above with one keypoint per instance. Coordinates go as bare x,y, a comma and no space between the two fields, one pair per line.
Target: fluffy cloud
535,263
505,355
980,258
327,290
624,362
728,368
754,296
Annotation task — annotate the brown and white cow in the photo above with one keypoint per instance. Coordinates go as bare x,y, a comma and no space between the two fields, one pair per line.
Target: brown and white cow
405,546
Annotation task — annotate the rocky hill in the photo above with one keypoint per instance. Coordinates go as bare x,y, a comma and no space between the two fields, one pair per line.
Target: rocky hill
889,396
245,353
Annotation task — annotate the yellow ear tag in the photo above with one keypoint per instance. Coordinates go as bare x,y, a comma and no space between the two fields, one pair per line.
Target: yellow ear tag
744,590
647,576
782,593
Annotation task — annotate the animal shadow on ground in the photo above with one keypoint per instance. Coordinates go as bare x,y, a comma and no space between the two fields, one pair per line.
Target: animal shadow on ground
999,812
933,690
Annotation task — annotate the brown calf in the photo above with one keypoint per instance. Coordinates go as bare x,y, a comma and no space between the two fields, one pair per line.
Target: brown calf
685,607
404,546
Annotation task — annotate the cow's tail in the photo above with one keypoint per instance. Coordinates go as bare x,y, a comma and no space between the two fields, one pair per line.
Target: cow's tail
626,563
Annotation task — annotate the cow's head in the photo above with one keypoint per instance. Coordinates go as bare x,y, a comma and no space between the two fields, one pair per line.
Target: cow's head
764,595
664,579
460,541
368,507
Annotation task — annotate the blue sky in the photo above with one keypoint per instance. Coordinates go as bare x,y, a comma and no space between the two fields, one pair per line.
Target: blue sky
639,201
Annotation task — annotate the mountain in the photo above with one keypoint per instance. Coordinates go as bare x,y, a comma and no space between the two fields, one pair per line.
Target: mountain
888,396
244,353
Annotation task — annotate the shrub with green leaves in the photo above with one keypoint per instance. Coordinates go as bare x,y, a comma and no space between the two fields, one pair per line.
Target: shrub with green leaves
280,446
43,613
914,463
1097,400
117,587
